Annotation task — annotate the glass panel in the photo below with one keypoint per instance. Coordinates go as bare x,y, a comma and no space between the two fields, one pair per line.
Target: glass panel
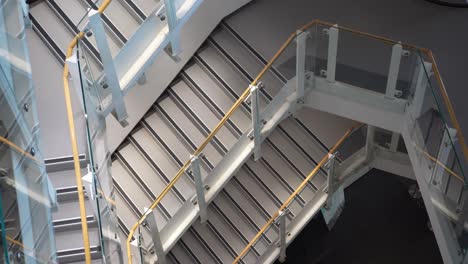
12,18
26,205
355,142
27,233
100,162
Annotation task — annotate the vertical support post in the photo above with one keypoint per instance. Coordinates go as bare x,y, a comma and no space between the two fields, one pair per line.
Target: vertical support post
256,121
301,38
119,110
155,236
331,175
419,84
200,188
282,235
171,13
74,70
443,156
392,79
394,141
335,196
332,52
370,142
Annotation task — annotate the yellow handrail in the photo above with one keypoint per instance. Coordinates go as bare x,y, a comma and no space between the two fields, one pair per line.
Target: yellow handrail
71,126
255,82
434,159
19,150
199,150
296,192
426,51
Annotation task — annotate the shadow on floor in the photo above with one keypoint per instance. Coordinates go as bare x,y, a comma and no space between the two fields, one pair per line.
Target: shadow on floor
380,223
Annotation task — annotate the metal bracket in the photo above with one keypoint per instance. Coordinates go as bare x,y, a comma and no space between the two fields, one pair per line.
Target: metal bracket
173,49
200,187
282,235
301,38
443,156
256,120
420,84
394,142
330,167
391,91
155,236
334,207
118,105
332,52
370,142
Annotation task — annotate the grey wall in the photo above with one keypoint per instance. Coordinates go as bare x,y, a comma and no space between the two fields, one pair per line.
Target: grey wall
47,77
267,23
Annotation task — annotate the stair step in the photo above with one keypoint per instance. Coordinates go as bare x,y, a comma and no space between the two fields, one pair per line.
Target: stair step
73,239
122,17
208,118
128,216
190,241
217,246
238,219
52,24
218,96
190,131
179,151
76,10
130,188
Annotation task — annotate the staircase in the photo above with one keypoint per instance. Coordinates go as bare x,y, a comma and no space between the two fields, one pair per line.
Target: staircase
180,120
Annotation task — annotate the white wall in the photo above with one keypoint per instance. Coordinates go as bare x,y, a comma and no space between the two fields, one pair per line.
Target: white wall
47,76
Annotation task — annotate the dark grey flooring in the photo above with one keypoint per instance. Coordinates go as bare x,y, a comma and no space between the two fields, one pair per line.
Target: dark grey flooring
380,223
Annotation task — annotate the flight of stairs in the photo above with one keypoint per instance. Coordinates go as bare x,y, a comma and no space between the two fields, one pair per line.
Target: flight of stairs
172,129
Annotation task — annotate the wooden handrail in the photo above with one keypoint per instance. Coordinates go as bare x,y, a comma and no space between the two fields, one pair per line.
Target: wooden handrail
245,95
71,126
222,121
19,150
295,193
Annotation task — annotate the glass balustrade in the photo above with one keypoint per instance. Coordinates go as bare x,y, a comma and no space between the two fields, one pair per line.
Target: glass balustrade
27,196
333,56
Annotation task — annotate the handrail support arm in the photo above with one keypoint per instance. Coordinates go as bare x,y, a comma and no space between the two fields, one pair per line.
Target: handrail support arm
200,187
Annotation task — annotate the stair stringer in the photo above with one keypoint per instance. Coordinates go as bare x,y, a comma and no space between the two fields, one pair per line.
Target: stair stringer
282,106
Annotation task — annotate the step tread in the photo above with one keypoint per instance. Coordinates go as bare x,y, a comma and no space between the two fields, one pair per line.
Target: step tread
150,178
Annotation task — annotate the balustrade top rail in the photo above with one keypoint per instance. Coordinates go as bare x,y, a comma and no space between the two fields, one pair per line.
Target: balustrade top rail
222,122
296,192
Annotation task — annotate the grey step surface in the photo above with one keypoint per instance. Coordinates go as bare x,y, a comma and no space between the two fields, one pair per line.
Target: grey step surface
175,126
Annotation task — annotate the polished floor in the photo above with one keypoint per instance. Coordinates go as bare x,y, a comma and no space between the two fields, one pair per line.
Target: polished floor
381,223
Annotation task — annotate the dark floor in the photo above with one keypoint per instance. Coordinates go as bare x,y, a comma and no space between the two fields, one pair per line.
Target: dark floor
381,223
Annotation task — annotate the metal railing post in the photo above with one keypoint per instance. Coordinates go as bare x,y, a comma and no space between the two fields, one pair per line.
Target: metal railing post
155,236
330,167
118,105
370,142
443,155
256,120
394,142
301,38
391,91
74,70
332,52
200,188
420,84
171,13
282,235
